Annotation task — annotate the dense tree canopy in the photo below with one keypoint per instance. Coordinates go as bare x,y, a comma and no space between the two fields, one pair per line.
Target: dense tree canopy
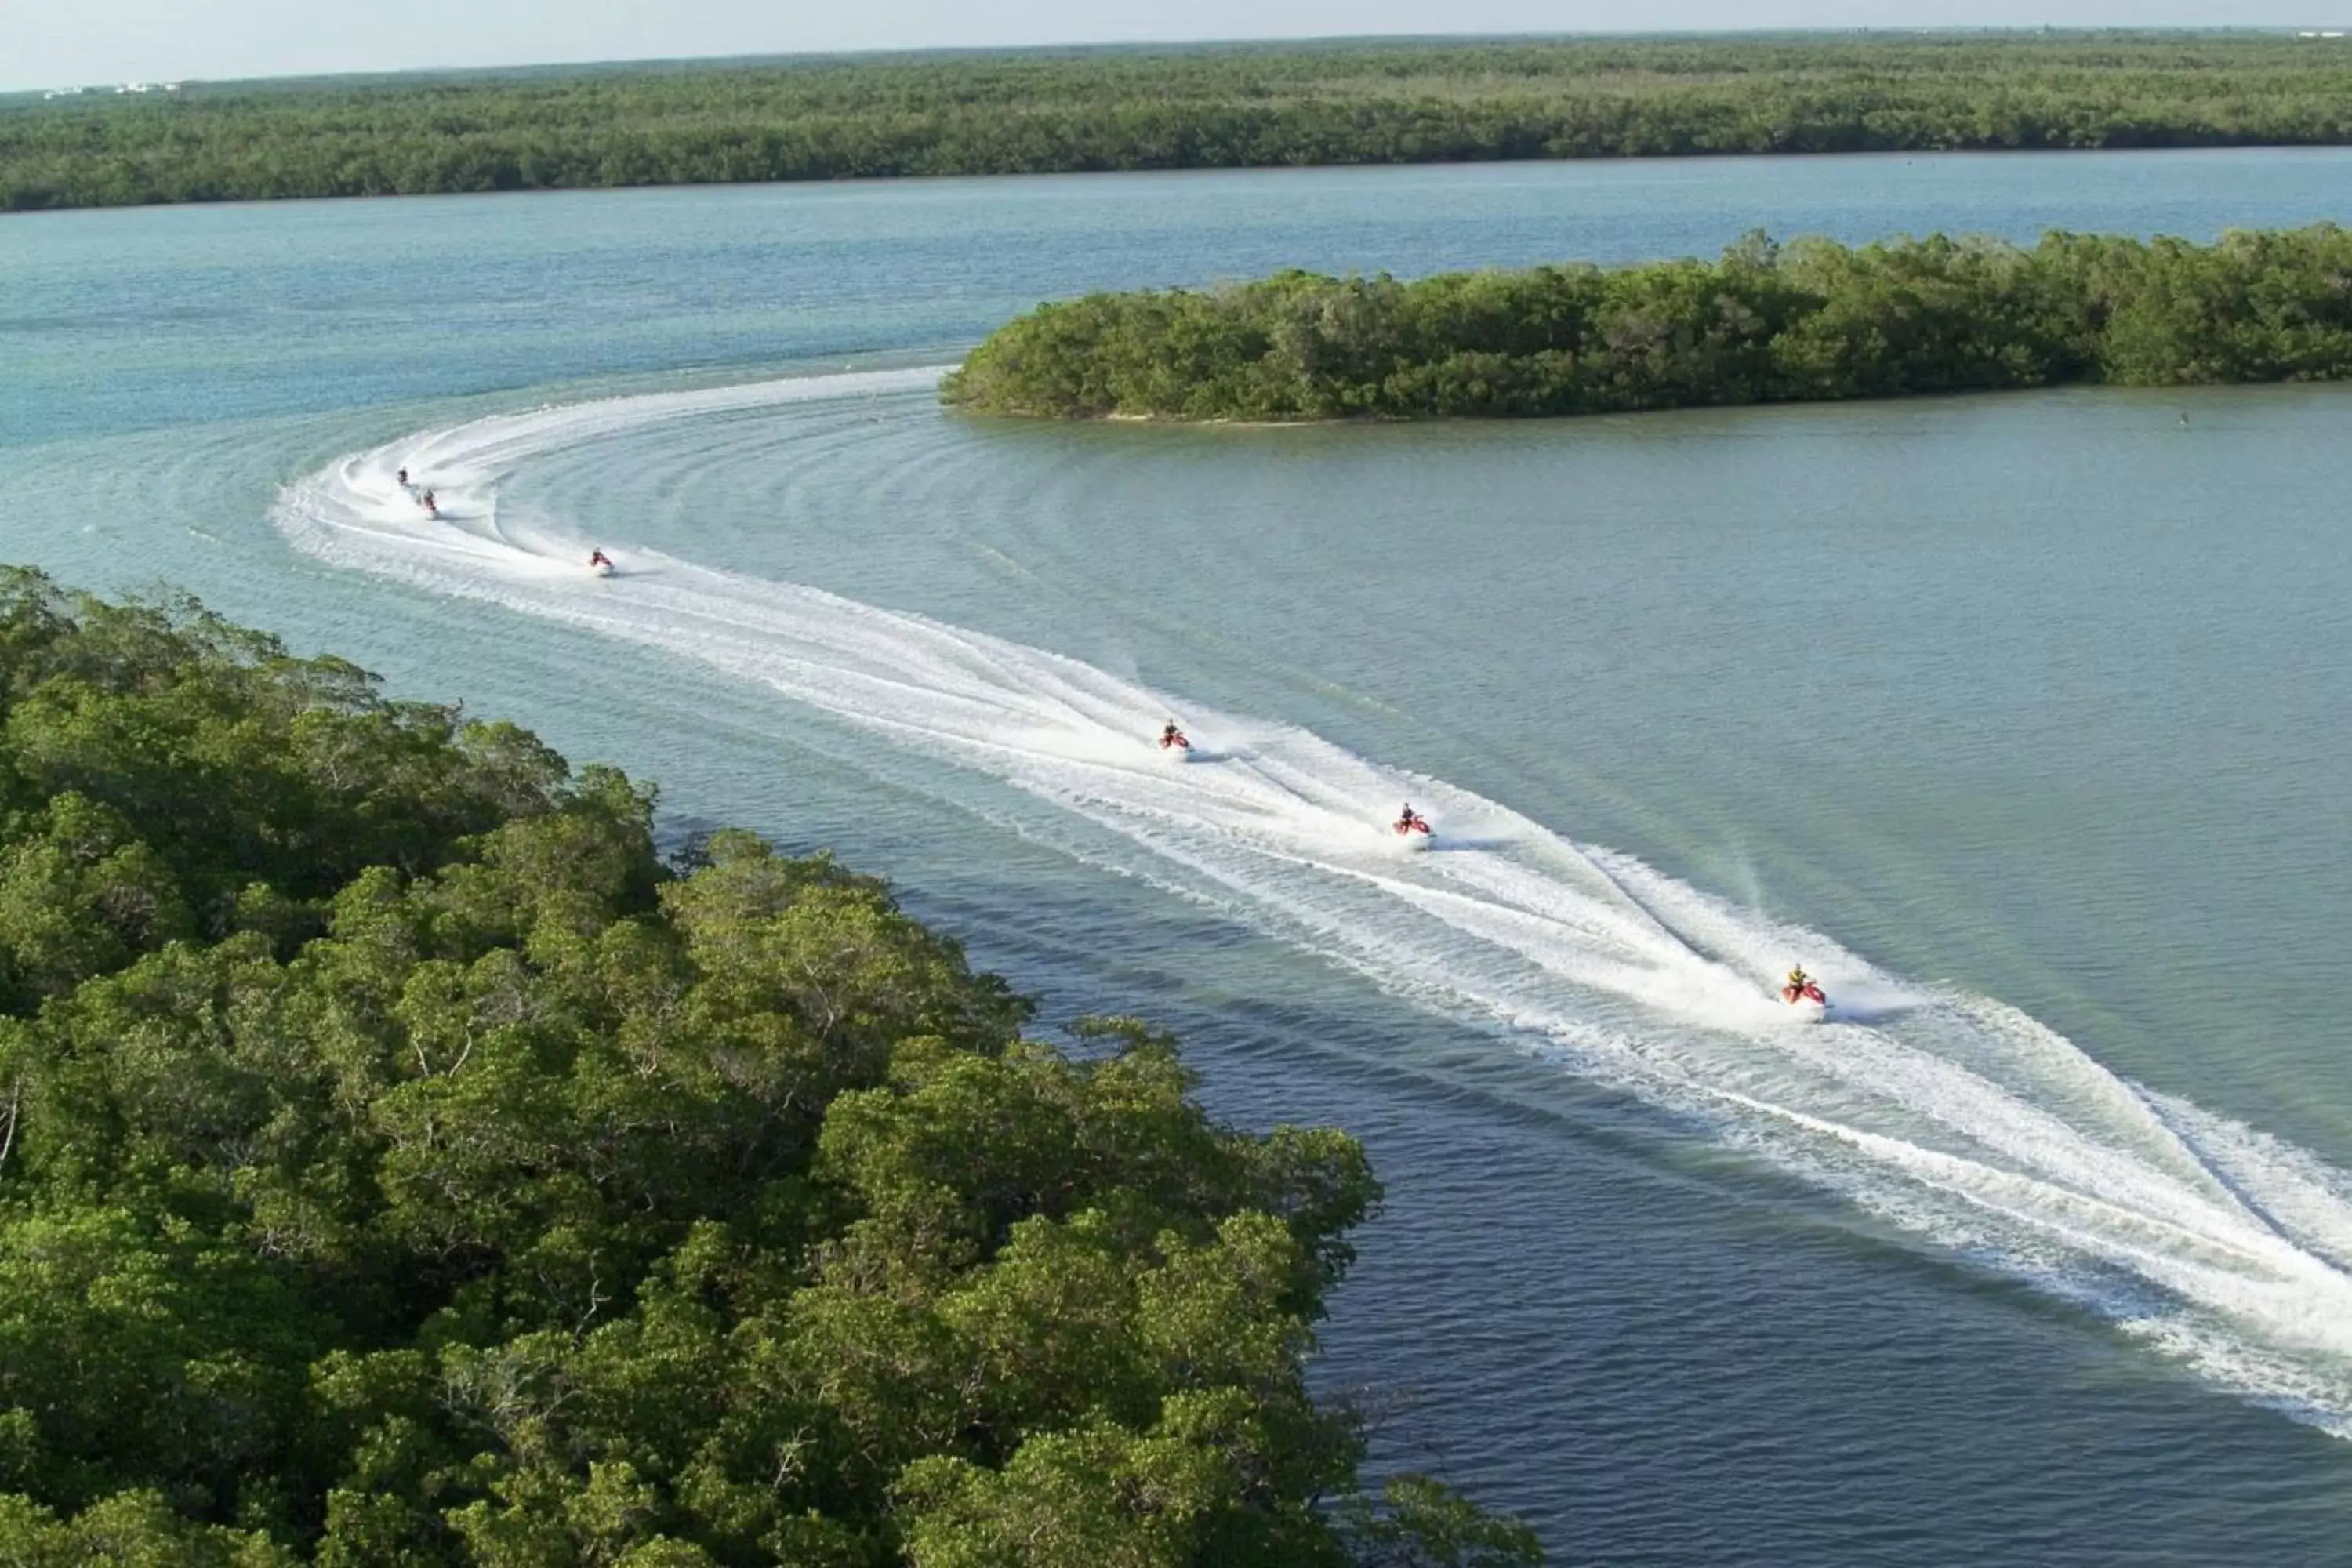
400,1163
1767,323
1214,107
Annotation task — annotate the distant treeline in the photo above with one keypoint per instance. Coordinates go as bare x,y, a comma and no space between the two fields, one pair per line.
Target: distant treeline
1768,323
1225,107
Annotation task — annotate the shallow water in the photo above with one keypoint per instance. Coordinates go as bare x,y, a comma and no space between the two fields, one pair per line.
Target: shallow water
2012,717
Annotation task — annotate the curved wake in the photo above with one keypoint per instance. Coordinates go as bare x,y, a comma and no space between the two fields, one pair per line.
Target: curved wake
1955,1116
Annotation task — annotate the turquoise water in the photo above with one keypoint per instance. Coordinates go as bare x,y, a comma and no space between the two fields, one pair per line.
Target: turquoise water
2016,717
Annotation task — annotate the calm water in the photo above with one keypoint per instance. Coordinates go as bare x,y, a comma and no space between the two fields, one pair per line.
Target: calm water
2018,718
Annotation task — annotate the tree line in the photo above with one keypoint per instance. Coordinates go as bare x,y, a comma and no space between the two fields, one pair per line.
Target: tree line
1765,323
1212,107
401,1163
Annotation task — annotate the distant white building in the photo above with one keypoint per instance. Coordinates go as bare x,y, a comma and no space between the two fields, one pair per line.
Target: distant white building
120,89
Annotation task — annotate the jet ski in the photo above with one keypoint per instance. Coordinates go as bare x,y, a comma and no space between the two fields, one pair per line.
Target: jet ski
432,507
1413,830
600,564
1175,745
1804,998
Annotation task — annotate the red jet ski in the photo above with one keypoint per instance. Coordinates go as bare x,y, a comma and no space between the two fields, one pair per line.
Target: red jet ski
1413,828
1174,744
1804,993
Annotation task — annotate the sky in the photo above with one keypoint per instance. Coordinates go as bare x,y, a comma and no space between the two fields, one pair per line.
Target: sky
50,43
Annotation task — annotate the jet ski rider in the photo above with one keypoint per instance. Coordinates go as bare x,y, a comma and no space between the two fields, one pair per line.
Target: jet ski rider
598,558
1407,818
1170,735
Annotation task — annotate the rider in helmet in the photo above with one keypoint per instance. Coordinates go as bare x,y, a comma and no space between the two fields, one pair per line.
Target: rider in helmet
1406,815
1170,735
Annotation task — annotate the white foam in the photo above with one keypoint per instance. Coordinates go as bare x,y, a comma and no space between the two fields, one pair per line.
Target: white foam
1953,1117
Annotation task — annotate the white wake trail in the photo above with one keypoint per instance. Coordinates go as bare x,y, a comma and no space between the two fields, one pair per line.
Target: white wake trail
1955,1116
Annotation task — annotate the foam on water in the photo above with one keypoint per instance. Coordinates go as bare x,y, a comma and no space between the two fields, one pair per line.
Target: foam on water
1953,1118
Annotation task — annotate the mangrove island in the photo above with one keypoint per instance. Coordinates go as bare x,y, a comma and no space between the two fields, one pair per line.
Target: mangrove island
1809,320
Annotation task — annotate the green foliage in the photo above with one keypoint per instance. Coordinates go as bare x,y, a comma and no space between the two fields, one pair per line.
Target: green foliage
1217,107
134,1530
399,1163
1420,1523
1767,323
